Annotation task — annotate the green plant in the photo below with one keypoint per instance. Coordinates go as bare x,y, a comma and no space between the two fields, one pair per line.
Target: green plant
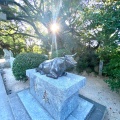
105,53
88,60
112,70
26,61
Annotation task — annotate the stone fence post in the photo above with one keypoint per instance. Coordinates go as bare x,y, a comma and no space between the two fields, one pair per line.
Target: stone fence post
100,67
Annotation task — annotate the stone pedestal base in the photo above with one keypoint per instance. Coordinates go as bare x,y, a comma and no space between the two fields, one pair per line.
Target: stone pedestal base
59,97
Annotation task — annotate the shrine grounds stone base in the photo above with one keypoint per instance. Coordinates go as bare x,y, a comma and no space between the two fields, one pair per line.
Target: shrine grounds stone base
37,112
54,99
26,107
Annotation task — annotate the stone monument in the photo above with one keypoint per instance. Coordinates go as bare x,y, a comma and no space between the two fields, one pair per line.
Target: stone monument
56,67
60,98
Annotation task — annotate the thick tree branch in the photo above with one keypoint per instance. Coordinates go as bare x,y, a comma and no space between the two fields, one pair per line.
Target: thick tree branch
29,5
32,24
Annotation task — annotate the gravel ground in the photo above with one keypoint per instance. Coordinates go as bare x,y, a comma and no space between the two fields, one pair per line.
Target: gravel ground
95,89
11,84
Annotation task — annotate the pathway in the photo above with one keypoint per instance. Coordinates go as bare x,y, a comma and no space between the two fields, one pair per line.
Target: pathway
5,110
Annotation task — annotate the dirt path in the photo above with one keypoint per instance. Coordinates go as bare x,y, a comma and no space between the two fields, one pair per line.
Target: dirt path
95,89
11,84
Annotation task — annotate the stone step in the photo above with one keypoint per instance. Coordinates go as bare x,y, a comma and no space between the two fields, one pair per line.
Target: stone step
35,111
84,109
17,107
99,110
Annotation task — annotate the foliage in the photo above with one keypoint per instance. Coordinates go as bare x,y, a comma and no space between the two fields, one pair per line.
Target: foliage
105,53
88,60
37,15
99,21
26,61
19,42
87,20
112,70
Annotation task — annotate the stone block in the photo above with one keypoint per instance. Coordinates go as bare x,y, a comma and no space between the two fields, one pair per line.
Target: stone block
37,112
30,72
58,96
17,107
32,106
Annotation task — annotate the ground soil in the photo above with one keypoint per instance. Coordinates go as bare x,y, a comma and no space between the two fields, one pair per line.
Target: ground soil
11,84
95,89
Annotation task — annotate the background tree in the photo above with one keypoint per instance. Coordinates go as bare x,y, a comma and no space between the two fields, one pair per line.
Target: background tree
40,14
101,23
16,36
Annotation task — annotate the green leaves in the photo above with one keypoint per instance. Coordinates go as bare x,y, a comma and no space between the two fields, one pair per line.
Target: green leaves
112,70
88,60
107,18
26,61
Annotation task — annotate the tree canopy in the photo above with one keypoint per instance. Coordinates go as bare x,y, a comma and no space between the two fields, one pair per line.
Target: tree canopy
87,21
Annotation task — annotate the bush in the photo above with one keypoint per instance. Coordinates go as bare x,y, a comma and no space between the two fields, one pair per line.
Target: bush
112,70
105,53
88,60
26,61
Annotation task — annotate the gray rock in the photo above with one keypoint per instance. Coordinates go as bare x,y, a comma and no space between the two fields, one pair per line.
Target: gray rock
59,97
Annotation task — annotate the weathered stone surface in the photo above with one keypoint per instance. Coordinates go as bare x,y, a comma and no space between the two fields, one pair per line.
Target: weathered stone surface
32,106
37,112
5,110
83,110
99,110
18,109
30,72
59,97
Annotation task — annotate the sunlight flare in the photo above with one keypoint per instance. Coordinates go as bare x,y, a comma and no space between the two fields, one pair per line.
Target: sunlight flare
55,27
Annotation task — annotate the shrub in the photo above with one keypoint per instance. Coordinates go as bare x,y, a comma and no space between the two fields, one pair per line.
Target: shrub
112,70
88,60
26,61
105,53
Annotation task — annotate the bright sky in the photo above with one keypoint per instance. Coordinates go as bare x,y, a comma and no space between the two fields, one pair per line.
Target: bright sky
17,1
